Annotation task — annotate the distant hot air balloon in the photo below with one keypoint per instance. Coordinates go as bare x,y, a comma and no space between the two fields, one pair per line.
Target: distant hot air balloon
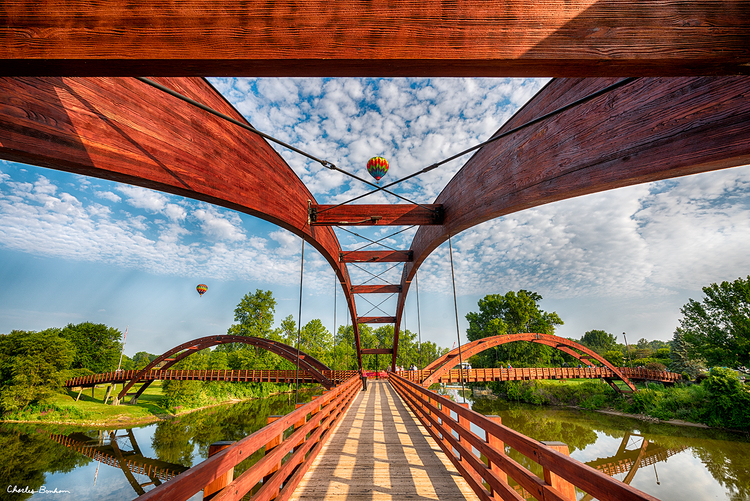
377,167
202,288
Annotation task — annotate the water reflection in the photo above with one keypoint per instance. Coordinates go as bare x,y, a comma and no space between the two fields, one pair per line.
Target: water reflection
667,461
123,463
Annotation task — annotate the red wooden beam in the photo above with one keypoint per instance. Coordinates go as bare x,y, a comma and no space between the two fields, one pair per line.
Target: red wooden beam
376,320
376,289
376,351
376,215
123,130
651,129
361,38
376,257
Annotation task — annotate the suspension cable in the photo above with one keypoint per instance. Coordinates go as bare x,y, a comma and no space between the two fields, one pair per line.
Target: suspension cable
335,358
375,241
299,321
419,323
458,332
492,140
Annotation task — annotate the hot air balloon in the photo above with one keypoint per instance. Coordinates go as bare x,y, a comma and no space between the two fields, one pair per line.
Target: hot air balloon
202,288
377,167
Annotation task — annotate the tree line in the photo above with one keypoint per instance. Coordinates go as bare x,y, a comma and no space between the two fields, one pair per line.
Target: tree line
712,332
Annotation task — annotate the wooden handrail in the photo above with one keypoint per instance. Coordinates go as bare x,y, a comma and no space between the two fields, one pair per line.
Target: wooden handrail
436,414
325,411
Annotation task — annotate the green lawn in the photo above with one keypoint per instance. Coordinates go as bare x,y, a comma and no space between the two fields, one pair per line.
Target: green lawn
63,408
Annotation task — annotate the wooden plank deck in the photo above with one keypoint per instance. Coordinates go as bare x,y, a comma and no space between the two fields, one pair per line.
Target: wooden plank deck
381,452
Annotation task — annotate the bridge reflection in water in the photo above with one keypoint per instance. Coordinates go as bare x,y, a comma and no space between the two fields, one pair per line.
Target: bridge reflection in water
379,451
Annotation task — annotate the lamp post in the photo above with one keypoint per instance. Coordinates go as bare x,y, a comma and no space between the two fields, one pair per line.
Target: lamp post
630,360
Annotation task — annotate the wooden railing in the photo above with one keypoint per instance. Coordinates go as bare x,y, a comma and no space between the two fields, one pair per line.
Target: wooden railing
521,374
465,449
257,376
283,466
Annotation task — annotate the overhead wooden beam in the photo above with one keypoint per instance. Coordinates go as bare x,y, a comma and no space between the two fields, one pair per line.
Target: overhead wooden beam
376,351
376,289
376,215
647,130
376,320
123,130
363,38
376,257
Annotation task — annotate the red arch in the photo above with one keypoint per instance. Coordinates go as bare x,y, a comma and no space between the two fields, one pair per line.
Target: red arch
450,359
306,362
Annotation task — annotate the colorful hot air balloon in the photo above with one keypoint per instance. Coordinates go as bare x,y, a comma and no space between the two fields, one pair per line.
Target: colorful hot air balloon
202,288
377,167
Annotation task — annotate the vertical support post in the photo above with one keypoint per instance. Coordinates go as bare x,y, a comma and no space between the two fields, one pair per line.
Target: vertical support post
271,445
217,485
566,489
499,446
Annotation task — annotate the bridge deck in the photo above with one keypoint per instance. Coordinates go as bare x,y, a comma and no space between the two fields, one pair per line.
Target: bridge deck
380,451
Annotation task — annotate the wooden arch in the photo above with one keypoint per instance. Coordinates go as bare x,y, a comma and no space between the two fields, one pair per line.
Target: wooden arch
585,355
306,362
647,130
123,130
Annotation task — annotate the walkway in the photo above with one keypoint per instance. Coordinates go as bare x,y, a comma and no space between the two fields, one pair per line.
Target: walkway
381,452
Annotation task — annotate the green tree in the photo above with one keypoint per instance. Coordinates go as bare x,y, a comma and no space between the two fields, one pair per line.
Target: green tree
33,366
511,314
614,357
142,359
718,328
681,358
600,341
97,347
255,314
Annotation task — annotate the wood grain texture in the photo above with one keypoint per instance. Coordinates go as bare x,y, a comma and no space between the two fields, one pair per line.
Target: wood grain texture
376,289
376,257
376,215
123,130
363,38
381,452
648,130
376,320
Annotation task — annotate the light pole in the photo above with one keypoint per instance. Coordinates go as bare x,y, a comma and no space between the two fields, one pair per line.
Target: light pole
630,360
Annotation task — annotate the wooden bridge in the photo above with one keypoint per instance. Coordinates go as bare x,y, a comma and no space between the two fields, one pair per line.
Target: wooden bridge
396,440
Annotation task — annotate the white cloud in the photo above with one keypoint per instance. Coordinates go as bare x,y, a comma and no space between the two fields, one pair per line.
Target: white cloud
219,226
108,195
141,198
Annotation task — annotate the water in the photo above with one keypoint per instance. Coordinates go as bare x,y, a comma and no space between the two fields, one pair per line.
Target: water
35,458
677,463
667,461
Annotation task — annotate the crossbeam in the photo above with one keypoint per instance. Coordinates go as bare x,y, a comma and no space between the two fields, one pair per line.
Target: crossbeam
376,257
377,351
324,38
376,215
376,320
376,289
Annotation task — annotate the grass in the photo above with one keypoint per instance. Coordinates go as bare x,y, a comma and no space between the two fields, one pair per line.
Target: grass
91,410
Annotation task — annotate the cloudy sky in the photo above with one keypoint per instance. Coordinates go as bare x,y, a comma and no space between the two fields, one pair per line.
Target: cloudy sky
75,249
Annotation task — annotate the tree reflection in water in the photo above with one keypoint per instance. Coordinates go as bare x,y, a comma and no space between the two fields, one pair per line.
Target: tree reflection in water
724,454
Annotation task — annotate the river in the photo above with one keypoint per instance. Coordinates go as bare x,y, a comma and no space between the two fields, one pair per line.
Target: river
667,461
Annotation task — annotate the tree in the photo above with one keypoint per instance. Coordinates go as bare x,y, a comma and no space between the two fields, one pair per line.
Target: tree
97,347
255,314
142,359
718,328
681,360
599,341
33,366
511,314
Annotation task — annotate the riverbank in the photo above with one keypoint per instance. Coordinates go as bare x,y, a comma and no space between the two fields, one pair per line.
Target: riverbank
718,402
89,409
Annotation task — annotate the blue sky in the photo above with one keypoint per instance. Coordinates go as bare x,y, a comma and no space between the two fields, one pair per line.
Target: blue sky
76,249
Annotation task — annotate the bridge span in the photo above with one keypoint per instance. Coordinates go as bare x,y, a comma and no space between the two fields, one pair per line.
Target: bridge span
394,440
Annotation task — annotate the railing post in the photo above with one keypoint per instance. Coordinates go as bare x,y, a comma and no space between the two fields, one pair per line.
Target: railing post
271,445
499,446
566,489
214,487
